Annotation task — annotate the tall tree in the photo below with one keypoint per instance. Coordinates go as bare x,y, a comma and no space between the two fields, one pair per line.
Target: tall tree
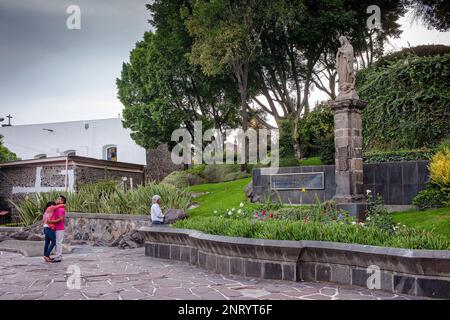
161,90
226,38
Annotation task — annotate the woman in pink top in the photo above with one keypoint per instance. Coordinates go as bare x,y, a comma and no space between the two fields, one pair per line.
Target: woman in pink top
49,229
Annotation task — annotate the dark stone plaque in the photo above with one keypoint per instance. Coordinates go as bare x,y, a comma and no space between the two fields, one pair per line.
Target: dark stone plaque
310,180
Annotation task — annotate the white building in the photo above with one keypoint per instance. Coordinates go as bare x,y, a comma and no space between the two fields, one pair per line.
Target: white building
99,139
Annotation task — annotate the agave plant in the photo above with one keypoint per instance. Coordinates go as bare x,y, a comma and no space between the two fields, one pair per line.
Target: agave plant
105,197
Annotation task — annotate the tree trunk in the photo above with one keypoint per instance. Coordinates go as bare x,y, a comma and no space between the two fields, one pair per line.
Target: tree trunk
241,71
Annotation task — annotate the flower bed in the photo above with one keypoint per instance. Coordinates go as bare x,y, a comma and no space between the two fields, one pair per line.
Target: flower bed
299,230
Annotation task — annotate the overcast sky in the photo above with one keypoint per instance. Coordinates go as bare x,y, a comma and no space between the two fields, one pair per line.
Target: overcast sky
49,73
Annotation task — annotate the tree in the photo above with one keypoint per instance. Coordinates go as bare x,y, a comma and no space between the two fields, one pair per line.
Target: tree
5,153
161,90
226,38
435,13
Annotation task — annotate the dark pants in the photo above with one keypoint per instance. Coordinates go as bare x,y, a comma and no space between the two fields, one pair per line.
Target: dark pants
157,222
50,241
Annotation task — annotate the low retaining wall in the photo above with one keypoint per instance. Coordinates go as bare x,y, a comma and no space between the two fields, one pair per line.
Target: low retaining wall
100,228
414,272
95,228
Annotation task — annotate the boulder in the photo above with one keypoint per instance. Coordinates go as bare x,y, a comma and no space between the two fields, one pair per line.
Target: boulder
173,215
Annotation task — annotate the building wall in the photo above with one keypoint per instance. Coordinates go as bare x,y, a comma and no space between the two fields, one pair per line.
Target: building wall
86,137
396,182
17,182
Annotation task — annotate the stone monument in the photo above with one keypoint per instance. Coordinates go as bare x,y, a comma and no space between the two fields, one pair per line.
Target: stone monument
348,135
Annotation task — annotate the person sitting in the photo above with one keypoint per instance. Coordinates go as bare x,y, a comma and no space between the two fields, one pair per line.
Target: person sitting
156,213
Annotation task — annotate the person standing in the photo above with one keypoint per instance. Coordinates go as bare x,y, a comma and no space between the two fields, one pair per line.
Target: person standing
59,220
156,213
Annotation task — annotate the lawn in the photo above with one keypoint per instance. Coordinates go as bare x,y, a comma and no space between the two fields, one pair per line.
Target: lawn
312,161
437,220
220,196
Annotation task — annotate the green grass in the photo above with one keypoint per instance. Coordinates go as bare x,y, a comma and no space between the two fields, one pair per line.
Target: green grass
220,196
435,220
313,161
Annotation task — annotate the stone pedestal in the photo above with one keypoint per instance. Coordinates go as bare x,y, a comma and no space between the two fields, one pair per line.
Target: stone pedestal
349,163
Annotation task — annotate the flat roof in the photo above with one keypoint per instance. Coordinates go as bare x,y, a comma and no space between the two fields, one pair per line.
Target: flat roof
74,160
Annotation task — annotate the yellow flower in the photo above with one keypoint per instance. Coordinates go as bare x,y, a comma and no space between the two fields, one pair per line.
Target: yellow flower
303,189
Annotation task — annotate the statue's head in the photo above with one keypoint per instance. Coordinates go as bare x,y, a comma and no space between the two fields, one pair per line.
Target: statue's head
343,40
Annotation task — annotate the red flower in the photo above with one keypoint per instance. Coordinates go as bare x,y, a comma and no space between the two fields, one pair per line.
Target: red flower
271,215
264,213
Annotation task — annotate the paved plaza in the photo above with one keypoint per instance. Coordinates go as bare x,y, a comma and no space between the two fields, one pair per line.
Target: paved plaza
111,273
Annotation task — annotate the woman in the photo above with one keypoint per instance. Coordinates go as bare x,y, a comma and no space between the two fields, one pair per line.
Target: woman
156,213
49,229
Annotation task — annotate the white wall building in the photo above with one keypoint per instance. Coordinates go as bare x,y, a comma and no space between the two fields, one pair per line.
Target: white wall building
99,139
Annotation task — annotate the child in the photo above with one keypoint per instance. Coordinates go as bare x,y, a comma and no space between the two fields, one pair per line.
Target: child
49,229
156,213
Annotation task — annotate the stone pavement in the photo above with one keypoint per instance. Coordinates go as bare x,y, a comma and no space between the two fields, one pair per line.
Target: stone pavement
111,273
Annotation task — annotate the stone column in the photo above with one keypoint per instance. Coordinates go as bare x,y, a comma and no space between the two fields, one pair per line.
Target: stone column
349,163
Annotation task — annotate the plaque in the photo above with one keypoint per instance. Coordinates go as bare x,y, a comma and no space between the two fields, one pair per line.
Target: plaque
297,181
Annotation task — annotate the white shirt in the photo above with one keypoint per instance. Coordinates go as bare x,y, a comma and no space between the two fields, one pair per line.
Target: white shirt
156,213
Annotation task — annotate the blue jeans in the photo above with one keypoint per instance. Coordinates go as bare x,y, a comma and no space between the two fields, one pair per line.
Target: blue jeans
50,241
157,222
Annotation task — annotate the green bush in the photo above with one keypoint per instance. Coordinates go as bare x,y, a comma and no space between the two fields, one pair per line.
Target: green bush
288,162
399,155
236,175
218,172
182,179
443,145
99,198
420,51
432,197
314,127
197,169
326,149
407,103
377,215
333,231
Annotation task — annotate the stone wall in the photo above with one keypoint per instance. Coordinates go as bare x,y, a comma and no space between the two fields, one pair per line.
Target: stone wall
89,228
92,174
397,182
159,163
103,229
414,272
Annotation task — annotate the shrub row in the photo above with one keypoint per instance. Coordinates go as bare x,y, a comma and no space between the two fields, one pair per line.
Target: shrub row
399,155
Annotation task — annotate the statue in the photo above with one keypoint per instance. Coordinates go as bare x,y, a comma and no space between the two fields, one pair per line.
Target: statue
344,65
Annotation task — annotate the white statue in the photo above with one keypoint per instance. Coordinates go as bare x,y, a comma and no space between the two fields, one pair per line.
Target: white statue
344,64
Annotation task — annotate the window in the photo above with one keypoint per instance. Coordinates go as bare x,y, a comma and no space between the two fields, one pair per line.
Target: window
40,156
110,152
69,153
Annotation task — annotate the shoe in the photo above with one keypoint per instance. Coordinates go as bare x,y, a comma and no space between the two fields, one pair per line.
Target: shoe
56,260
48,259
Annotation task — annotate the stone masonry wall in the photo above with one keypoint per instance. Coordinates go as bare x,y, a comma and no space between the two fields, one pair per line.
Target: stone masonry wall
159,163
90,174
396,182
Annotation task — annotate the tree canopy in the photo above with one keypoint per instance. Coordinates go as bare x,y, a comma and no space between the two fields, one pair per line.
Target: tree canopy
5,153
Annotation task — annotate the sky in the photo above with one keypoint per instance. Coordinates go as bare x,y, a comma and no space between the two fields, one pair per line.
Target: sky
49,73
